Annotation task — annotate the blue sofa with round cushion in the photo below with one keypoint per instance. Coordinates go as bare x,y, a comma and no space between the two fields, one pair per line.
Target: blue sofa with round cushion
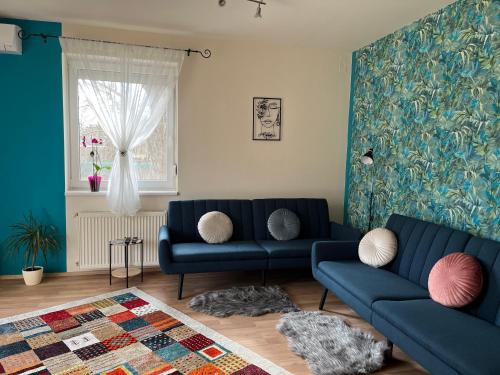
181,249
395,299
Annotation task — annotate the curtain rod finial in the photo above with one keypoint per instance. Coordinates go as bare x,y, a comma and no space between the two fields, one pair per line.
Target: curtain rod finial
206,53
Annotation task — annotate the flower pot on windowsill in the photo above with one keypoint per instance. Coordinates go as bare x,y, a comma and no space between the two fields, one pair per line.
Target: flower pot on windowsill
94,182
33,276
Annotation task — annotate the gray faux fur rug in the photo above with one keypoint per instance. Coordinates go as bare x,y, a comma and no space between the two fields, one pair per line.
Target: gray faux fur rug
249,301
330,346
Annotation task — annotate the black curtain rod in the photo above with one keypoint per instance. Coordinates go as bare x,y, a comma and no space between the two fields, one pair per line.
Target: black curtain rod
205,53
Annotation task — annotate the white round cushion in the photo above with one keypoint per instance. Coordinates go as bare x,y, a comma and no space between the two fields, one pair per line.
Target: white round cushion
215,227
378,247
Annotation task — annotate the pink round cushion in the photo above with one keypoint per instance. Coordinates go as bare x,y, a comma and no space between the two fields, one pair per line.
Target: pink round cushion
455,280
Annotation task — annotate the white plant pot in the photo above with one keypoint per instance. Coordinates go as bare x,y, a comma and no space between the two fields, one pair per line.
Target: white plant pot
33,277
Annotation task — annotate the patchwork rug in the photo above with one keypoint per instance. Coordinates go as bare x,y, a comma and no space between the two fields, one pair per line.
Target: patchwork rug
122,333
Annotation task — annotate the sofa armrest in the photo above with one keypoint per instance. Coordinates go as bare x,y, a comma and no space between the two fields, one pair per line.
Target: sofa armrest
339,232
164,248
334,250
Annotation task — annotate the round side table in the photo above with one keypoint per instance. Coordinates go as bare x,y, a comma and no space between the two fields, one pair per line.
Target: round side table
123,273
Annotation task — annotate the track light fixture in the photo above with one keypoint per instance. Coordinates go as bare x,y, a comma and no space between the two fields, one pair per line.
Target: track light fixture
259,3
258,14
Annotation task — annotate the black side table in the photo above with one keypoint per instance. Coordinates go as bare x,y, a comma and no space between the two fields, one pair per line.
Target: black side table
126,242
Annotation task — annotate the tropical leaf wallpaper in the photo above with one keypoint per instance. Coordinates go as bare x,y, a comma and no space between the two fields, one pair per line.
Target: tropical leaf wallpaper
426,100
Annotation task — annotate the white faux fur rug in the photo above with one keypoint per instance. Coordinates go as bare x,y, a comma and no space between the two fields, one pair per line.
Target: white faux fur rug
330,346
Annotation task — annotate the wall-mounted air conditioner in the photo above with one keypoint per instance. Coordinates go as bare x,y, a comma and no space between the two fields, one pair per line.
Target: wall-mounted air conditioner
9,39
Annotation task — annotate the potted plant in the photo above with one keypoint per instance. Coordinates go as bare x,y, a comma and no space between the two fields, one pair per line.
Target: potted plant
97,167
32,237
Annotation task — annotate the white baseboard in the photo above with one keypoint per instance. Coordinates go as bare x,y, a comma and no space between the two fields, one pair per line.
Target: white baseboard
75,273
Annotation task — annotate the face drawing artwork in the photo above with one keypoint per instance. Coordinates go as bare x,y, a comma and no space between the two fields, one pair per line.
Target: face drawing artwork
267,119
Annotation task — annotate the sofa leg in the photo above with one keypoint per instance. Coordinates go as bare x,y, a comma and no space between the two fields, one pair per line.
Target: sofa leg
264,277
180,285
323,299
388,352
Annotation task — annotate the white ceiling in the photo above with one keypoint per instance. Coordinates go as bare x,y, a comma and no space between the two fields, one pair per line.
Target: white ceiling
346,24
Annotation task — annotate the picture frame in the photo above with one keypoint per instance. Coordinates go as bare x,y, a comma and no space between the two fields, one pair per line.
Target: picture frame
267,119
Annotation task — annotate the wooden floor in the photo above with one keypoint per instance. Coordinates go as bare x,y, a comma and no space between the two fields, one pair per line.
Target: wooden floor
258,334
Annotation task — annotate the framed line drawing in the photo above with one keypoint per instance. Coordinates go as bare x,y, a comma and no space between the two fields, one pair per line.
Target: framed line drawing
266,119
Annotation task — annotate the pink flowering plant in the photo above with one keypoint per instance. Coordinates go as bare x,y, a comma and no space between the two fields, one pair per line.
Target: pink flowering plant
97,167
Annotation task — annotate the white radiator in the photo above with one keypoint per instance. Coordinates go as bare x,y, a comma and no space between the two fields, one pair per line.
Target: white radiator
96,229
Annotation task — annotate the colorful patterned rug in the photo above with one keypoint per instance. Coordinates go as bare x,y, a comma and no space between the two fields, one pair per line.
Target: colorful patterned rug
122,333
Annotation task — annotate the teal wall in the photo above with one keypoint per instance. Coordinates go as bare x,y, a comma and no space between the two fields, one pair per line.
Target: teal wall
349,138
426,99
31,123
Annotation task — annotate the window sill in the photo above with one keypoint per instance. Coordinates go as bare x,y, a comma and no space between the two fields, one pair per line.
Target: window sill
86,193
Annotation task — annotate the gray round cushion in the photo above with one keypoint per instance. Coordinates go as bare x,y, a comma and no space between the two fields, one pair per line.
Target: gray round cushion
283,225
215,227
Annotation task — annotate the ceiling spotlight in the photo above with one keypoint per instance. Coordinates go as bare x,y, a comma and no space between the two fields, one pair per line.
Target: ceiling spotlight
258,14
259,3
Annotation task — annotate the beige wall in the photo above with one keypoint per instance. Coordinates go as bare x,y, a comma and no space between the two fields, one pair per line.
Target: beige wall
217,157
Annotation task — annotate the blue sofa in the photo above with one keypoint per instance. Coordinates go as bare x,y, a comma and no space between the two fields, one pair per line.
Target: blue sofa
182,250
395,299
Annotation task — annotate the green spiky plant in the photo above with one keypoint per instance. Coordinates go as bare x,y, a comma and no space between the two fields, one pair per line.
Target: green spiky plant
33,237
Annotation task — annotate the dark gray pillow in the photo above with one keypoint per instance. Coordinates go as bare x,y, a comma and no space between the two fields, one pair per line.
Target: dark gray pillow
283,225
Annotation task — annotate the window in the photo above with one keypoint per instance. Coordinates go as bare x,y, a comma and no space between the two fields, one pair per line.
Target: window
155,158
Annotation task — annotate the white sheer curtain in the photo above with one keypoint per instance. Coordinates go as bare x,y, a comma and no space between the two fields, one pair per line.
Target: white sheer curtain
128,87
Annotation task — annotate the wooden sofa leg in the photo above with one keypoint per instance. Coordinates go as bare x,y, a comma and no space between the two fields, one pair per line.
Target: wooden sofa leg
323,299
388,352
264,277
180,285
